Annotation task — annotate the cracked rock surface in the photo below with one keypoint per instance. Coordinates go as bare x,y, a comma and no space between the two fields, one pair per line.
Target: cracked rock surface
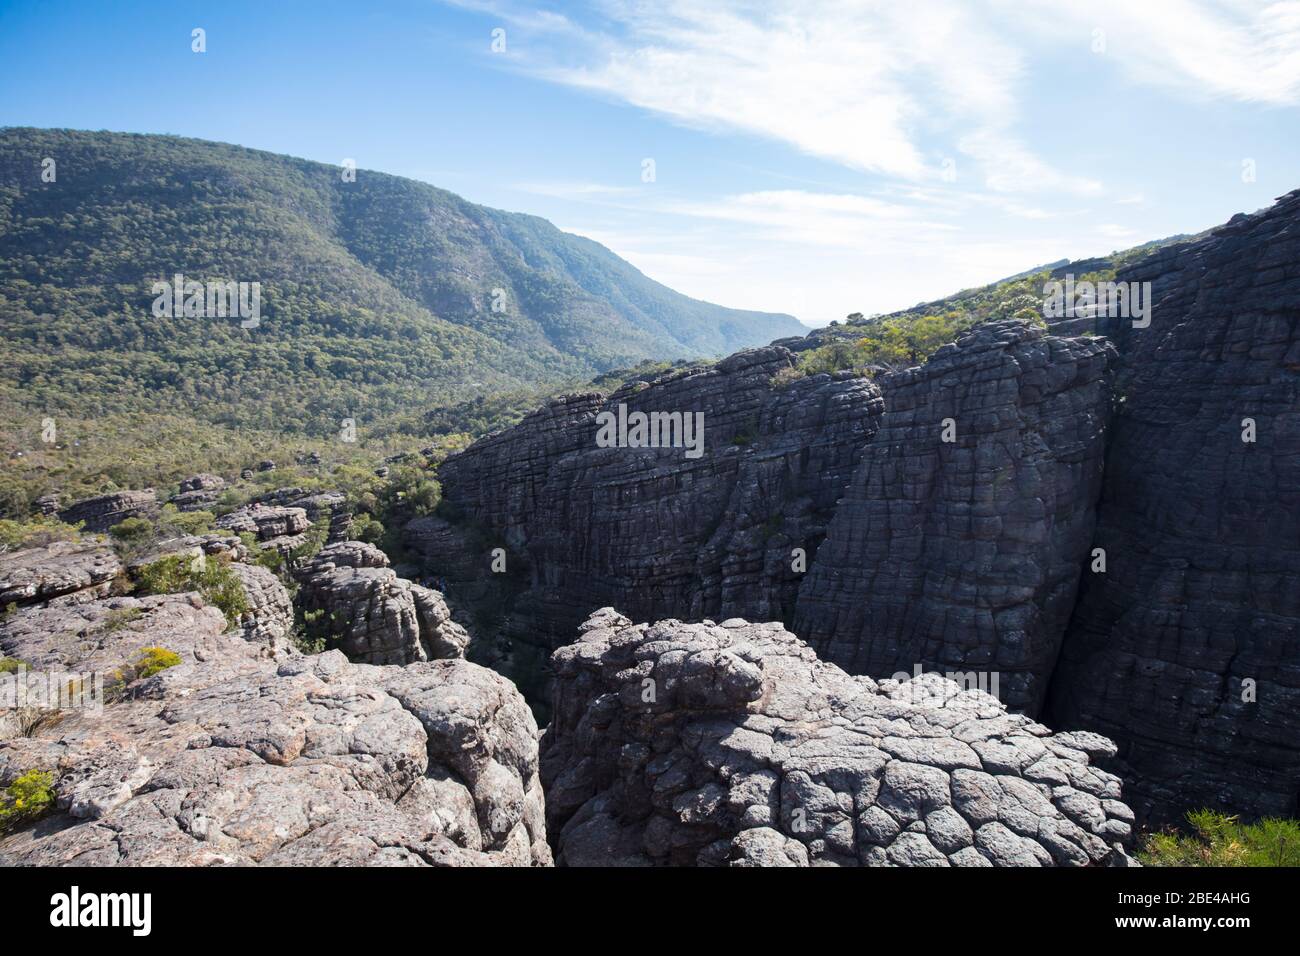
373,615
732,744
59,571
232,758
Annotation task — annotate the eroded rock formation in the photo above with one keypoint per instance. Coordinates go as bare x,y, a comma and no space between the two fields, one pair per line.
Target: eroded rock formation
232,758
687,744
102,512
62,570
1166,617
198,492
960,540
353,597
274,526
1187,648
650,529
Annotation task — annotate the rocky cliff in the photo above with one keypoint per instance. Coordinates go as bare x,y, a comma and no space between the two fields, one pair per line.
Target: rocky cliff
651,529
1187,648
962,551
1105,522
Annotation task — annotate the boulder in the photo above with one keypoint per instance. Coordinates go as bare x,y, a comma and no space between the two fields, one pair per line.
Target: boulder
358,602
732,744
274,527
198,492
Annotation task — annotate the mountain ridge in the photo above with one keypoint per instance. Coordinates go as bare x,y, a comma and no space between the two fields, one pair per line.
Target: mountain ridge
407,269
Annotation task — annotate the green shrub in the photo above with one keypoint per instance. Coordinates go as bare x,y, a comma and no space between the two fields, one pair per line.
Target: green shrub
9,665
26,799
1221,840
147,662
186,522
34,533
212,578
117,619
132,531
368,529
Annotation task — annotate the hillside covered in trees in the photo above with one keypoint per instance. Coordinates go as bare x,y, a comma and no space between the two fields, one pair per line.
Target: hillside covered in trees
383,300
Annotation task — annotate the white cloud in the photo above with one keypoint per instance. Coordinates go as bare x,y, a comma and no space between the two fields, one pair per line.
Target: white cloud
863,83
1247,50
819,219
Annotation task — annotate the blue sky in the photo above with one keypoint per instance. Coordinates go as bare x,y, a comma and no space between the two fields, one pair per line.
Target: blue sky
811,157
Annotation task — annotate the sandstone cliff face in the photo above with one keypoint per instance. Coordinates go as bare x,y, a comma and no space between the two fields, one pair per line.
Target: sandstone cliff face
1201,530
978,555
101,513
232,757
684,744
651,529
964,555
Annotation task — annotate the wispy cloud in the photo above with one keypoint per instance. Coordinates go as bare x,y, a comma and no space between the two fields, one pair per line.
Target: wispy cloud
1247,50
861,84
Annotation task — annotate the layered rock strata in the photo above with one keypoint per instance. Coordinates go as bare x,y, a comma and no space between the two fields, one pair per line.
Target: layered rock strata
1187,648
959,542
655,530
101,513
61,571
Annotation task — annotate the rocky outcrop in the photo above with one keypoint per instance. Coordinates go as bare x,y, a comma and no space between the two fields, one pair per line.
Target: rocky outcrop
1128,567
211,544
67,571
269,618
274,527
328,507
655,530
101,513
198,492
1187,648
960,540
732,744
954,537
231,758
351,597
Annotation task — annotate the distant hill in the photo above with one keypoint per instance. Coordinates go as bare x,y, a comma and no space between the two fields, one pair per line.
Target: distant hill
377,295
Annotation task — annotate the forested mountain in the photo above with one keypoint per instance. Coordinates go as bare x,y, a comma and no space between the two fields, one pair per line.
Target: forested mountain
379,297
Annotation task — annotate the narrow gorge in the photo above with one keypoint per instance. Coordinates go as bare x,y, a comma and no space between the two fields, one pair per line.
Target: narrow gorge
1101,515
